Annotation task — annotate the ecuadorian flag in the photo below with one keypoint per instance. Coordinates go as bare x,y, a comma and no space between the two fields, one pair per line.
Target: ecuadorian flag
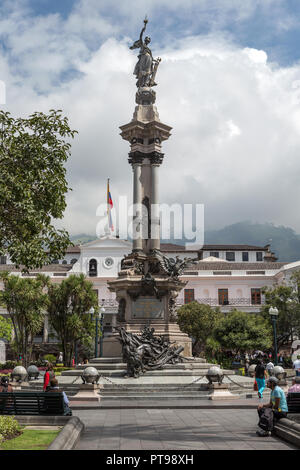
109,207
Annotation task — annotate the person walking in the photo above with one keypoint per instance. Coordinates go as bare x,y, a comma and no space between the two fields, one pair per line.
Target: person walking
49,375
296,365
260,376
270,367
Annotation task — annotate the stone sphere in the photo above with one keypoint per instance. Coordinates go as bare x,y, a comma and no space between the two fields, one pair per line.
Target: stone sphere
19,374
33,371
215,374
251,370
90,375
279,372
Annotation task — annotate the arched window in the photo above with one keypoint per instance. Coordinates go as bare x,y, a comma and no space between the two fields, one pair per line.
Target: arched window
93,268
73,261
64,262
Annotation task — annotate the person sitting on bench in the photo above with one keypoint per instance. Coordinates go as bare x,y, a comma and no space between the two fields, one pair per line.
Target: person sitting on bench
295,388
55,388
5,385
277,407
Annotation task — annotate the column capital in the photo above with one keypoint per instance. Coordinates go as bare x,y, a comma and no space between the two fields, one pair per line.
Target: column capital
135,158
156,158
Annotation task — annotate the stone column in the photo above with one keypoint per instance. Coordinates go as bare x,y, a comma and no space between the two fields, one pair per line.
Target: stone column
46,330
137,199
155,222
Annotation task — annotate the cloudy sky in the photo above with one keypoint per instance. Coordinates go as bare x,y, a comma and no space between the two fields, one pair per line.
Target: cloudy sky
229,85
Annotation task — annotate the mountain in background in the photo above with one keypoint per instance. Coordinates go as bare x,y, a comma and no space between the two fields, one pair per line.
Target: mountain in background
284,240
82,238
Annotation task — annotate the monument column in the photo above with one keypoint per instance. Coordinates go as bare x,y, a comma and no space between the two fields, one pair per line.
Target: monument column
155,221
137,201
148,282
46,330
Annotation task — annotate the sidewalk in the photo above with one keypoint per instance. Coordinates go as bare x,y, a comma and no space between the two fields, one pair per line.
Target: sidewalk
174,429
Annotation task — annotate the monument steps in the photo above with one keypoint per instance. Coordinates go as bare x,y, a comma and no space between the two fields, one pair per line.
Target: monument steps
122,366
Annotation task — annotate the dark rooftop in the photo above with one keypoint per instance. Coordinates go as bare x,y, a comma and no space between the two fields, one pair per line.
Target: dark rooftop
227,266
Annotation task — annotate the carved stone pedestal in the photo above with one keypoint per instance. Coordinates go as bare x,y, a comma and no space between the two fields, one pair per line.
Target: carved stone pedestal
149,300
19,385
87,392
220,392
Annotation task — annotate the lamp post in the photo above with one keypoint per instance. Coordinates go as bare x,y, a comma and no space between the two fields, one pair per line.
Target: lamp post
102,311
273,311
98,317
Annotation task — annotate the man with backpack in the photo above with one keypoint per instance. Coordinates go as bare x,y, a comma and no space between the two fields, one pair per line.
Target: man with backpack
274,410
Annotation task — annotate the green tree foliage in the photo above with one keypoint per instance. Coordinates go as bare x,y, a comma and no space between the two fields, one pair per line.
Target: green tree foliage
26,301
287,300
5,329
198,321
243,332
69,304
33,185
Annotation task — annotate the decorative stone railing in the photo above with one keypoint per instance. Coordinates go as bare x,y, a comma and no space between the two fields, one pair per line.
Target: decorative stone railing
214,302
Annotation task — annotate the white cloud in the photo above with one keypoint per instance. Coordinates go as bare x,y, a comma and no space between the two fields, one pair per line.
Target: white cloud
235,117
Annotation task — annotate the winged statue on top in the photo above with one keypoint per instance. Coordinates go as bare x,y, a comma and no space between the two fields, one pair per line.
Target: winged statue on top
146,67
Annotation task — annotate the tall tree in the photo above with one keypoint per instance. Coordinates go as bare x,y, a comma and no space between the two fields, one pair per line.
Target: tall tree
243,332
33,186
198,321
5,328
69,304
287,300
26,301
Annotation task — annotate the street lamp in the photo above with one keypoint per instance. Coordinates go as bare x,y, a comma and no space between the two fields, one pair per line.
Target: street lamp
99,317
273,311
102,311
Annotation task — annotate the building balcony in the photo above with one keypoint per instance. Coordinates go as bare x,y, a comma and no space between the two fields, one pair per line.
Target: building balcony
214,302
109,303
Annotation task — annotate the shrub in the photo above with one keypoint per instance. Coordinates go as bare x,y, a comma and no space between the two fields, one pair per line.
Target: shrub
50,358
9,365
9,427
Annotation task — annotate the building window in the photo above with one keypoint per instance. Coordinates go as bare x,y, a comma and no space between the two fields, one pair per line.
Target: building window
255,296
223,296
189,295
73,261
245,256
259,256
215,254
230,256
3,260
64,262
93,268
55,261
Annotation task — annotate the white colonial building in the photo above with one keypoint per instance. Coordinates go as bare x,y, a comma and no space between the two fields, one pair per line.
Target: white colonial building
227,276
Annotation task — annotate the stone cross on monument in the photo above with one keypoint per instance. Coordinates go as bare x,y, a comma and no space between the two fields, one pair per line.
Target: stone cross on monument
148,283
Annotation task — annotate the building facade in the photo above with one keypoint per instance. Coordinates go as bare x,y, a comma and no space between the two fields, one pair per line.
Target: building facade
226,276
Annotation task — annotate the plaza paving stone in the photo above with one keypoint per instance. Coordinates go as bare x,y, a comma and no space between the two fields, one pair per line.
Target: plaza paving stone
174,429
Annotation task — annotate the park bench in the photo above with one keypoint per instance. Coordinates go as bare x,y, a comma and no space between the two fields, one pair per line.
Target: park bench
31,403
293,402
